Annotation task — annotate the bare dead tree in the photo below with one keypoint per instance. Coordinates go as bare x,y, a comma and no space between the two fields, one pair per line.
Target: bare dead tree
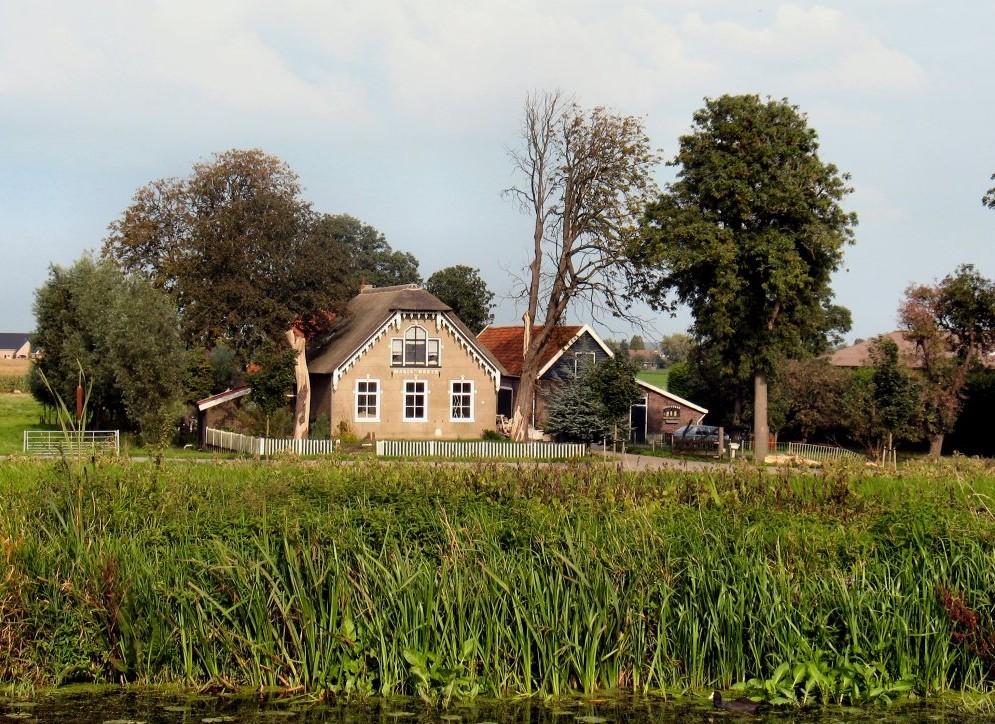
587,176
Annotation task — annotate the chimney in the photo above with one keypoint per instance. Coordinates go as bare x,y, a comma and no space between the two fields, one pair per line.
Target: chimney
364,285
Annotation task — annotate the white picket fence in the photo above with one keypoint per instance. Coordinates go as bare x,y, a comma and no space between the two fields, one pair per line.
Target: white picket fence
478,449
57,442
252,445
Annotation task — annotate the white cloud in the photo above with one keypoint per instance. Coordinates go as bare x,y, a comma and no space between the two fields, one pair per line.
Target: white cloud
446,66
813,48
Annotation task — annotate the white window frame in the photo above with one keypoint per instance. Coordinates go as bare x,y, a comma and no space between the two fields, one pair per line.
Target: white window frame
355,400
404,400
430,342
671,408
473,395
577,357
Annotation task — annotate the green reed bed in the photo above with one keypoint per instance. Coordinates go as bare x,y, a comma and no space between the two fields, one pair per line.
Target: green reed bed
450,581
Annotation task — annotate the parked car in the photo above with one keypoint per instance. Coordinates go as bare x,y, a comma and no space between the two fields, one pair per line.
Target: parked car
698,435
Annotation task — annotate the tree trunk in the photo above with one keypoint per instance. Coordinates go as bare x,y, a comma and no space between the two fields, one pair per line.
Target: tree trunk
302,401
521,421
760,432
936,445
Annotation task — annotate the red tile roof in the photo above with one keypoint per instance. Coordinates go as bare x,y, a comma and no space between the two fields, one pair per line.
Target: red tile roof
506,343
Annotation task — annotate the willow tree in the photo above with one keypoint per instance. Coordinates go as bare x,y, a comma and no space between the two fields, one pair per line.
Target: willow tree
586,177
748,236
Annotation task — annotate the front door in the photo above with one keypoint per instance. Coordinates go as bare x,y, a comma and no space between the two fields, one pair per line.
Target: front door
637,423
505,402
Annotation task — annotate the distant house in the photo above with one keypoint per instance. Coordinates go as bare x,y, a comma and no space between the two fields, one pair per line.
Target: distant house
15,345
400,364
571,348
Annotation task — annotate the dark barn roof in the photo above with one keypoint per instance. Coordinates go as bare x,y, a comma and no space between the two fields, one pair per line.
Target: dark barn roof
13,340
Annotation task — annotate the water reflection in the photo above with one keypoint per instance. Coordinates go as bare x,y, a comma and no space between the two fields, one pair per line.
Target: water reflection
145,707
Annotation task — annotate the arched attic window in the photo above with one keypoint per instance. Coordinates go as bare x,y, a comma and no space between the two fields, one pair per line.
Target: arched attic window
416,349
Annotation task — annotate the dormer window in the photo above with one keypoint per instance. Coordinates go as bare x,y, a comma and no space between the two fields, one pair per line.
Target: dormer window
416,349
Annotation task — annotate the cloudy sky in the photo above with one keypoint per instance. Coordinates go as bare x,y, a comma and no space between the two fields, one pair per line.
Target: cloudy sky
401,113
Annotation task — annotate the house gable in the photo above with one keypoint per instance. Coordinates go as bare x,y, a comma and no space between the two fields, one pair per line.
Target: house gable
584,347
434,322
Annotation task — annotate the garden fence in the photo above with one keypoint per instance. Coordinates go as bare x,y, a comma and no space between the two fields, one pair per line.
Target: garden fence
252,445
479,449
806,450
59,442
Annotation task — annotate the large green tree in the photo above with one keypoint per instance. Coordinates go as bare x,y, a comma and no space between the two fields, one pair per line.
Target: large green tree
124,334
462,288
237,247
748,236
370,259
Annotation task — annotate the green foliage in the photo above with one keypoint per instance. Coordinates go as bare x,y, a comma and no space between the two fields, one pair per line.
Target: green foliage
369,258
814,681
637,343
462,288
989,198
807,400
614,382
237,247
271,377
125,336
896,393
319,579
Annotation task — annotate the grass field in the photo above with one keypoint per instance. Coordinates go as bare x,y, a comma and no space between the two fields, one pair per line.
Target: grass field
654,377
18,412
450,582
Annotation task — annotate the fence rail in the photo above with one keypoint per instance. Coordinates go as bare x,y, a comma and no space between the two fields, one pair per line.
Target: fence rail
479,449
252,445
58,442
809,451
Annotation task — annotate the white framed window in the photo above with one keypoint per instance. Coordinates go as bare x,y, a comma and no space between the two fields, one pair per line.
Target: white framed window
367,400
415,401
415,349
582,361
461,401
671,413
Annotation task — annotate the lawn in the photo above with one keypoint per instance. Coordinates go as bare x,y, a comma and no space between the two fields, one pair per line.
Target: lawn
658,378
18,412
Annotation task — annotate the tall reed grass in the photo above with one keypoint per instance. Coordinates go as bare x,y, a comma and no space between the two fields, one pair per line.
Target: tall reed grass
448,581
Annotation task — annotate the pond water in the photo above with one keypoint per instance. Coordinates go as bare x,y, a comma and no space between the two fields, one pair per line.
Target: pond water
145,707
